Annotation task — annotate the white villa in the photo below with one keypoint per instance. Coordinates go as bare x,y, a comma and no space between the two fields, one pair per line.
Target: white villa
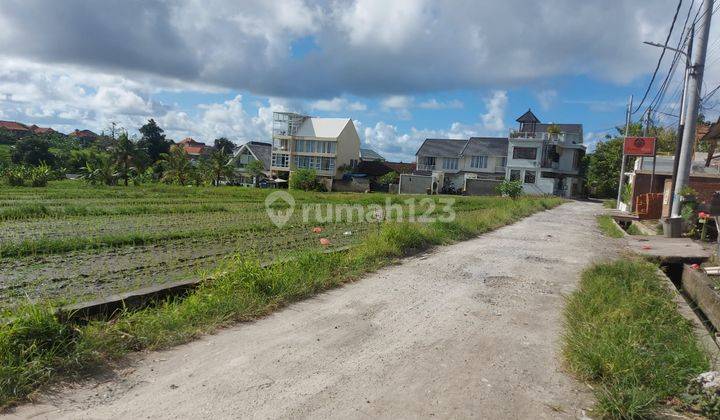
546,157
323,144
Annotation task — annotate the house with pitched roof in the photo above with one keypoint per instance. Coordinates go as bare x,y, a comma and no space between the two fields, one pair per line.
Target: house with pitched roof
249,152
546,157
461,159
322,144
195,149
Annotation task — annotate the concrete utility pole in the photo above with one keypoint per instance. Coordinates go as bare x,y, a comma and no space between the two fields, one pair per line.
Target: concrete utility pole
681,120
628,113
695,78
646,129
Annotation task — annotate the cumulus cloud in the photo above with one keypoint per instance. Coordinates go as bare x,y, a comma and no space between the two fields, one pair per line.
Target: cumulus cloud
435,104
546,98
494,118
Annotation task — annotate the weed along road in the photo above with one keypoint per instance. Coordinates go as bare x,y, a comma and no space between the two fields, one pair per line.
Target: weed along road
467,330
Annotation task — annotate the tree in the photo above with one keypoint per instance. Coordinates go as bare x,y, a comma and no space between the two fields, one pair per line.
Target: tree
256,169
32,150
224,145
219,167
126,157
603,169
153,141
176,166
389,178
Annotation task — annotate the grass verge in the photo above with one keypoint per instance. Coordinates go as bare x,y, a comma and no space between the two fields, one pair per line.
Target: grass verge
37,348
624,335
608,227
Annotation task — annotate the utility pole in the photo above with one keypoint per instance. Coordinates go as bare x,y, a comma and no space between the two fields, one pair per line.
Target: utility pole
646,129
681,120
695,78
628,113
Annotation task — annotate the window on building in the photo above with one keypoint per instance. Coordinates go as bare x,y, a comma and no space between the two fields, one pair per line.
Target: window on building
514,174
576,160
478,162
525,153
280,160
450,163
503,162
530,177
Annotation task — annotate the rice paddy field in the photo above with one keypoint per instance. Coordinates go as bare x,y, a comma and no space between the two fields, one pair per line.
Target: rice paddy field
71,241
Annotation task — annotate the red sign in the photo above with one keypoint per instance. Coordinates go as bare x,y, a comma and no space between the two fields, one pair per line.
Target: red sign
639,146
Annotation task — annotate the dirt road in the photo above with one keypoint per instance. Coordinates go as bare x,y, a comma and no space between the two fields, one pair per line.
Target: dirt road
468,330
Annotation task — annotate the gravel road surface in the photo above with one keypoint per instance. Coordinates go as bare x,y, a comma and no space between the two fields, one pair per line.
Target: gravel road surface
467,330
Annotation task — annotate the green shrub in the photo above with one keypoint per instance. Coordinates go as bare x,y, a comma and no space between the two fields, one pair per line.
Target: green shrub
15,176
512,189
40,175
305,179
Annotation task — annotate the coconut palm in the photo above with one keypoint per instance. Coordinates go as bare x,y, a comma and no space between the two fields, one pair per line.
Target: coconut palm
218,166
176,165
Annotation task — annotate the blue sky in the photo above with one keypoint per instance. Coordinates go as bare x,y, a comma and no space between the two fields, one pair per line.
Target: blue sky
402,70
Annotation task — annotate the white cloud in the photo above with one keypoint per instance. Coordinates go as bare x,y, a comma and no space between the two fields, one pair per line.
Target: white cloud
434,104
546,98
337,105
397,102
494,118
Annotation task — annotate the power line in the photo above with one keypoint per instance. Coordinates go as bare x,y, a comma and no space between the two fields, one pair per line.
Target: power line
657,67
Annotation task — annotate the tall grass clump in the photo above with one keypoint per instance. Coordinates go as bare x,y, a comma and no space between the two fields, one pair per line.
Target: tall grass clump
624,334
608,227
33,349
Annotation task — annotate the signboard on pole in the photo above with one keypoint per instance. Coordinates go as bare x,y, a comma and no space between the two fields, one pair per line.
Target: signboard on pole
639,146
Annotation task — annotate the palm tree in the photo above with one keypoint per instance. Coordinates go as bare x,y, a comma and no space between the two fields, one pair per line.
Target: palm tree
256,169
219,167
176,165
126,156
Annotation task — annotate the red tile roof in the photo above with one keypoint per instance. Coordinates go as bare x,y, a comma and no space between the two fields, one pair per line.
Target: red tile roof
13,126
83,134
195,150
41,130
189,141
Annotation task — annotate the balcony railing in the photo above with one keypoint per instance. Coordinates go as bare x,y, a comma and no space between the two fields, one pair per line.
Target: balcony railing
559,138
424,167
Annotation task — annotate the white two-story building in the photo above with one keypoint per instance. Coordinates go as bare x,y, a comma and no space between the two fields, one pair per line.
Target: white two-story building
546,157
322,144
453,161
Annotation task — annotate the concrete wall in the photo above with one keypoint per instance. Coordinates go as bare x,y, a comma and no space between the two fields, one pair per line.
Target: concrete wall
414,184
481,187
353,185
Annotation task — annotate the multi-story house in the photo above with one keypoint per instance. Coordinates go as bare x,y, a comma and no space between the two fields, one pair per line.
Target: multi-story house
458,160
249,152
546,157
195,150
322,144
